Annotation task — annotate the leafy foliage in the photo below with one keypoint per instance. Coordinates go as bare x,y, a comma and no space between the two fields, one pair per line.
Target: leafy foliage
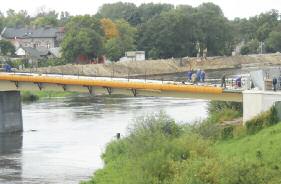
263,120
6,48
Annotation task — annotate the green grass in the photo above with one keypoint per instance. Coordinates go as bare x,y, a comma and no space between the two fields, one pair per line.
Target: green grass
265,146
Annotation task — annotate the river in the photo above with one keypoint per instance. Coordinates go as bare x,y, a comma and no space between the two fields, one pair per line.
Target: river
64,138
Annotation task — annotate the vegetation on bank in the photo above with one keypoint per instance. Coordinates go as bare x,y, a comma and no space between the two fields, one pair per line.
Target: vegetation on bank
28,96
157,150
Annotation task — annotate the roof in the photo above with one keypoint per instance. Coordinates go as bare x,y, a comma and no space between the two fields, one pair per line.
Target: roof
34,53
56,51
41,32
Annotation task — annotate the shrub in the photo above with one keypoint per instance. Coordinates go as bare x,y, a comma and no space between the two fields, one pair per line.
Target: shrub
263,120
227,132
29,97
217,106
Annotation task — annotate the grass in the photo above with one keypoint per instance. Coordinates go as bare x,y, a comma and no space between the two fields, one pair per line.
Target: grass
31,96
265,146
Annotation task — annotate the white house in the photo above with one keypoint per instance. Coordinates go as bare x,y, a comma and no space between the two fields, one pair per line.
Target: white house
134,56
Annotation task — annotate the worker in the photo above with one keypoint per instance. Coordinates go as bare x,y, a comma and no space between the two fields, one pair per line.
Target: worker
198,75
194,78
238,81
189,75
223,82
7,68
274,83
203,75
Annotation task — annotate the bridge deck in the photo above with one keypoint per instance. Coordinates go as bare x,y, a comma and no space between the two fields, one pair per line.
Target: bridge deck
52,83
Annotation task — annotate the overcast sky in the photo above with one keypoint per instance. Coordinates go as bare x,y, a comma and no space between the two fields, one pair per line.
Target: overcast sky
231,8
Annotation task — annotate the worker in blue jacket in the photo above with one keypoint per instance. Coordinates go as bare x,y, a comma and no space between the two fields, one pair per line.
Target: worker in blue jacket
7,68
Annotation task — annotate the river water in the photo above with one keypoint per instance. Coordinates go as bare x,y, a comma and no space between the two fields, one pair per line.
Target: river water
63,138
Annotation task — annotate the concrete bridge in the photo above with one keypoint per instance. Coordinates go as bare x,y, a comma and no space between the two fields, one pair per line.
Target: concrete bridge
12,84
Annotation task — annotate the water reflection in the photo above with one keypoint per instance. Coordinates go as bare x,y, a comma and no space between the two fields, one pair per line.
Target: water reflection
10,158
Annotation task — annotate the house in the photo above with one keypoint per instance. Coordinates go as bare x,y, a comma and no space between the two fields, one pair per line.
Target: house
134,56
38,38
33,55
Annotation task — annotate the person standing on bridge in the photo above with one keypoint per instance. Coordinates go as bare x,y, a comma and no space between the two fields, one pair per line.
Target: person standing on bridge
203,75
223,82
194,78
189,75
274,83
238,81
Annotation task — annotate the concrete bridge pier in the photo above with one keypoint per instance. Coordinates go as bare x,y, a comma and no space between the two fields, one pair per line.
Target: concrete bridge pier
10,112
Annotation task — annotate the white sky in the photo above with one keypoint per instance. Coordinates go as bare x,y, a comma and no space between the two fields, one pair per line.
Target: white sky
231,8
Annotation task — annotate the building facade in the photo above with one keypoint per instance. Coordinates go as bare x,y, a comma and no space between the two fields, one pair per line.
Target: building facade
38,38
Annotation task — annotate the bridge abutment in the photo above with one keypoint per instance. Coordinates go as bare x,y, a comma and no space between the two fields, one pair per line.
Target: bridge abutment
10,112
255,102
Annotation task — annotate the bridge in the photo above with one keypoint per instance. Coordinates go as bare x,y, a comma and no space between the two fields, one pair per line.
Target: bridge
12,84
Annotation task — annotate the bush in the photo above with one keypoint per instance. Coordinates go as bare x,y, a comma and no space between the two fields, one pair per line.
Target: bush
29,97
227,132
217,106
263,120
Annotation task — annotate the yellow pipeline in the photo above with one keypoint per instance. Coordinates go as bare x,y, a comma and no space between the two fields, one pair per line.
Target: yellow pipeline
113,84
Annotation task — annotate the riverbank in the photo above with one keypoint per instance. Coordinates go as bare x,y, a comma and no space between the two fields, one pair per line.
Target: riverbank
32,96
158,150
160,67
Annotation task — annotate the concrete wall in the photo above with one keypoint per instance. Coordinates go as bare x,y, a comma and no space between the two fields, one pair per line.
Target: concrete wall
255,102
10,112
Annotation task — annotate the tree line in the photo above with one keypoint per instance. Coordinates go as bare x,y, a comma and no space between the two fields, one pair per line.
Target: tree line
161,30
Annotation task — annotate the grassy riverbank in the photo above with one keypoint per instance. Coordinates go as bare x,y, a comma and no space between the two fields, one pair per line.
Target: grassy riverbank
159,151
31,96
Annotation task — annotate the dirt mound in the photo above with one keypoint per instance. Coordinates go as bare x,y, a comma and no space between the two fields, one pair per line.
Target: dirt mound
156,67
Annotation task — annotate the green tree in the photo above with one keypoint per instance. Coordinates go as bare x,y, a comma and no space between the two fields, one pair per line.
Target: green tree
113,50
6,48
167,36
17,19
84,41
119,10
250,48
125,41
46,18
84,36
273,43
213,30
150,10
2,21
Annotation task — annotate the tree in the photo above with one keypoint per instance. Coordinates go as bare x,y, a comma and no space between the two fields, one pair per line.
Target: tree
213,30
250,47
125,41
150,10
64,17
169,35
273,42
6,48
46,18
17,19
119,10
113,50
84,41
84,36
109,28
